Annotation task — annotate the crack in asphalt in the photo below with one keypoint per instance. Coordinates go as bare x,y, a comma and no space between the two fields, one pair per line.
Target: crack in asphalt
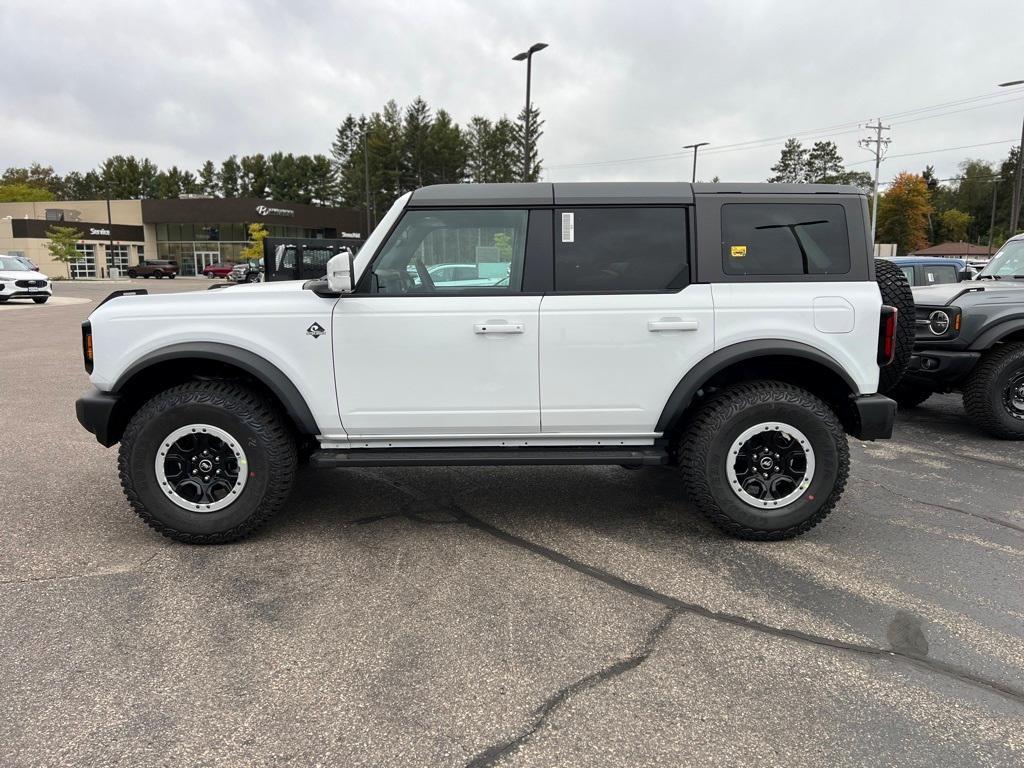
85,575
980,515
503,749
676,605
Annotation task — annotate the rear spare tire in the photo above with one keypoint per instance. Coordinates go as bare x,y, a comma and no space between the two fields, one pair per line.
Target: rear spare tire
895,290
764,460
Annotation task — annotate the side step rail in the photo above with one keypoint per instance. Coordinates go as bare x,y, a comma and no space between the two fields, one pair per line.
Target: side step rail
440,457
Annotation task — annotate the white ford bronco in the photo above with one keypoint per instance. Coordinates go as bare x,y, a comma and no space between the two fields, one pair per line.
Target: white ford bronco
734,332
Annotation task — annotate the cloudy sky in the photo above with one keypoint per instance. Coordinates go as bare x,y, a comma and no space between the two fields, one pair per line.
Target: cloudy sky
188,80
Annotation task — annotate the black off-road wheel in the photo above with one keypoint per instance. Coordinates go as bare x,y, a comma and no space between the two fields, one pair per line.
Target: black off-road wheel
764,460
207,462
994,392
895,290
909,395
40,299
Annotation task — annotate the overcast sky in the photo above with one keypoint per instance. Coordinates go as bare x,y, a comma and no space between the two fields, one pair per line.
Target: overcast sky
184,81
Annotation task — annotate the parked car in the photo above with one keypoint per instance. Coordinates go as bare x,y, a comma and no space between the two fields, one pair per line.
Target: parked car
154,268
17,281
735,332
247,272
928,270
219,269
970,339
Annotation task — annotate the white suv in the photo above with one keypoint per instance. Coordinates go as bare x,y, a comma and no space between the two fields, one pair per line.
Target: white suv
735,332
19,281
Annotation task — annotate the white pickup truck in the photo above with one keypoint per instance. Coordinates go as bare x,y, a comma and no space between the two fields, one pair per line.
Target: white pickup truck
734,331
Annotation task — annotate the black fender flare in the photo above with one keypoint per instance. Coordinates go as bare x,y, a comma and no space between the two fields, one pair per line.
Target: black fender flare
996,333
259,368
721,359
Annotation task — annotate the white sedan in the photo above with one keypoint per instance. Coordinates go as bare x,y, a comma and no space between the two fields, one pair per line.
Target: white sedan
17,281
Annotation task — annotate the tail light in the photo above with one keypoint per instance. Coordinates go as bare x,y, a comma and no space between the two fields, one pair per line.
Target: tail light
887,335
87,345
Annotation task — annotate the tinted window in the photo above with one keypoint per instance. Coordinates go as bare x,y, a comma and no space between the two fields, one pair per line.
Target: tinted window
908,272
452,251
784,239
938,274
620,249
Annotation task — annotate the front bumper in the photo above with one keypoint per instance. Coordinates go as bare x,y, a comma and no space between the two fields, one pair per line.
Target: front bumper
95,412
12,291
876,415
940,367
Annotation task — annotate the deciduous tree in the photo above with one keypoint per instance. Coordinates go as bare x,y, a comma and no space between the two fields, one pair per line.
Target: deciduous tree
62,245
903,213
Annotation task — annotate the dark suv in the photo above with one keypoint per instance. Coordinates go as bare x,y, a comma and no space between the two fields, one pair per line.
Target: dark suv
154,268
970,338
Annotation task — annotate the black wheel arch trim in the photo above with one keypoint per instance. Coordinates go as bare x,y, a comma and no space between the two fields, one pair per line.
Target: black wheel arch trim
259,368
687,388
996,333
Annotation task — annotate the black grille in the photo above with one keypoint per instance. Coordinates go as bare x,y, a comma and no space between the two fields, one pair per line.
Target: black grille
30,283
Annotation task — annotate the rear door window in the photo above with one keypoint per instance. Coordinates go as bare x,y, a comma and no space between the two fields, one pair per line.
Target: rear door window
938,274
784,239
627,250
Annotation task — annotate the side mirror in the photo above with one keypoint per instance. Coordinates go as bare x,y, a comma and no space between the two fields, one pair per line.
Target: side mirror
341,272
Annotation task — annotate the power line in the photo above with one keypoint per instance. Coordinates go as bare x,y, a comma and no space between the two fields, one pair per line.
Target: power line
829,131
943,149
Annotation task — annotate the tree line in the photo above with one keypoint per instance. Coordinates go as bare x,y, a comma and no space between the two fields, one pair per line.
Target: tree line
388,152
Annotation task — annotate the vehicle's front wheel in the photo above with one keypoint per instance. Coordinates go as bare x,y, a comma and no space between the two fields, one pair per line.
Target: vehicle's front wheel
132,274
40,299
207,462
764,460
994,393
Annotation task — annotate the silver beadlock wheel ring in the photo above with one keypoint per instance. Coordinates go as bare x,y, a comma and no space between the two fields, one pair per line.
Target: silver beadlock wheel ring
201,468
770,465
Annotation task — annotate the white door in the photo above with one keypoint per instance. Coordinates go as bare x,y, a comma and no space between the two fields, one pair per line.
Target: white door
621,329
416,356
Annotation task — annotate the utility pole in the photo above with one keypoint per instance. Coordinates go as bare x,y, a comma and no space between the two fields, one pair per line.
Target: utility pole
1018,180
992,224
877,147
695,147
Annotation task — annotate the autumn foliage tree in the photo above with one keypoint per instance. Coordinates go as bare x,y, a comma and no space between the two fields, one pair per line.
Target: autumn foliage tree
903,213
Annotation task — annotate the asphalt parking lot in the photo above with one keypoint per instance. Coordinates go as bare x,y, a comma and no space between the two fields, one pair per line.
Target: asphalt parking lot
510,616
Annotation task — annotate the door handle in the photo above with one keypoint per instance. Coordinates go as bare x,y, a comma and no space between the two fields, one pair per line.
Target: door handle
672,324
498,328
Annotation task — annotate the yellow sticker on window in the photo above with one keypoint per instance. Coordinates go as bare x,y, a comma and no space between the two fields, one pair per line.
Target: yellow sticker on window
738,251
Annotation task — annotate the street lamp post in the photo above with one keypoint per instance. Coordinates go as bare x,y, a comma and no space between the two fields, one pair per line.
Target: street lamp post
528,55
695,147
1018,180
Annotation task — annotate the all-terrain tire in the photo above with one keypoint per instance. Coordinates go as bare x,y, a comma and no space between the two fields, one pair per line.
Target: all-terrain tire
986,390
909,395
702,454
895,290
249,419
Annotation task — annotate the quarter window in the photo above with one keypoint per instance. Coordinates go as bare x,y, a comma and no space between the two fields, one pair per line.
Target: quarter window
451,252
936,275
620,249
784,239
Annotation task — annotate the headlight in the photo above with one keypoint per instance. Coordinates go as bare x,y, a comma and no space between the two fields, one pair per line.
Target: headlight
939,322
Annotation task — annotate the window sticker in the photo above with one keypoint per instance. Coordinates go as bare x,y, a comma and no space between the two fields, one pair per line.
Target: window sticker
568,227
931,277
738,251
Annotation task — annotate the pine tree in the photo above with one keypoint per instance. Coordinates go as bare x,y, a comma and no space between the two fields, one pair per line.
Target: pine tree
228,177
792,165
415,144
254,176
536,123
823,164
447,151
208,184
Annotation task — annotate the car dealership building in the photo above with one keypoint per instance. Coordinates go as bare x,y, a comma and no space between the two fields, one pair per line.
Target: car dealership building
193,232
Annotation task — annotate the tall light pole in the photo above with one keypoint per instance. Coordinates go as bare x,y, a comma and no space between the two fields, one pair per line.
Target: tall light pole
694,147
528,55
1019,177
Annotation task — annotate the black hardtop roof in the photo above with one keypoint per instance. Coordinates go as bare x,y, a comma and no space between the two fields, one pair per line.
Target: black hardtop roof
605,192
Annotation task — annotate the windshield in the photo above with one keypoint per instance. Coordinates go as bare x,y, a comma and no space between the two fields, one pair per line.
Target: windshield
379,233
11,264
1008,261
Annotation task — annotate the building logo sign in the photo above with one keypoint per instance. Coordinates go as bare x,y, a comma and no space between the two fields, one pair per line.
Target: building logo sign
99,231
265,210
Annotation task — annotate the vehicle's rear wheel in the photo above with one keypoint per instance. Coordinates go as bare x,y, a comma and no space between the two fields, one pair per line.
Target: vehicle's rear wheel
895,290
40,299
909,395
994,393
207,462
172,275
764,460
